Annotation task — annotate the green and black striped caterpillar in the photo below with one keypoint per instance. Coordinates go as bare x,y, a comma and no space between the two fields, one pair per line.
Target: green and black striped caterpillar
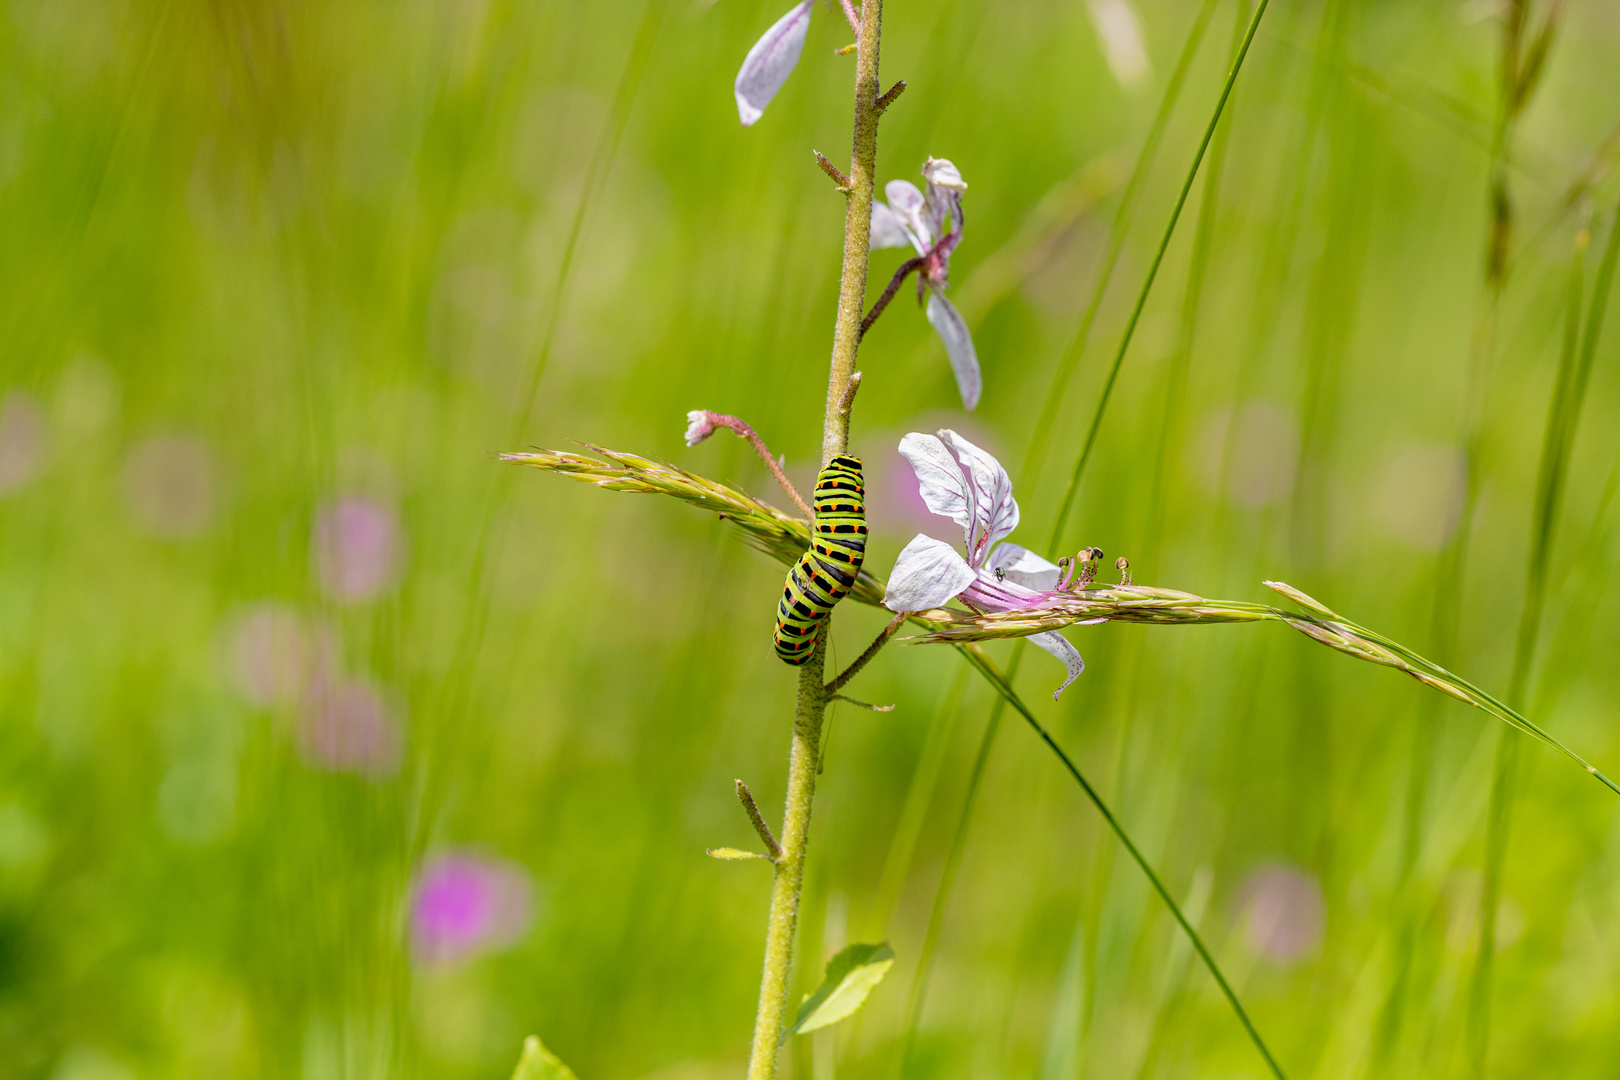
824,574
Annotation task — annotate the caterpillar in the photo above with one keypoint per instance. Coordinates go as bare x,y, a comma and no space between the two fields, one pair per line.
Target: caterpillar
824,574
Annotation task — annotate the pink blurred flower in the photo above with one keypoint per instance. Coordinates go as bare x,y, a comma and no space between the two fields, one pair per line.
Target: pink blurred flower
465,904
1284,912
275,654
357,547
22,440
348,728
170,482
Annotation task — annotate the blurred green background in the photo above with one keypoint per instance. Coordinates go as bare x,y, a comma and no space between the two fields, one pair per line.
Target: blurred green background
280,278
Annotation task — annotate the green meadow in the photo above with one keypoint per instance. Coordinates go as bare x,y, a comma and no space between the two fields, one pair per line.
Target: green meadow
285,647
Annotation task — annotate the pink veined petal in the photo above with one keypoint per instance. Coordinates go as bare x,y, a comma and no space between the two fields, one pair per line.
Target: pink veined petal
770,62
908,204
944,487
987,593
953,331
888,231
1056,644
995,511
1024,567
927,573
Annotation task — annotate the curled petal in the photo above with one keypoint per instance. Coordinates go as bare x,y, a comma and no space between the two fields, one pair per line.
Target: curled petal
770,62
1024,567
699,426
888,230
941,173
1056,644
944,198
953,331
927,573
908,204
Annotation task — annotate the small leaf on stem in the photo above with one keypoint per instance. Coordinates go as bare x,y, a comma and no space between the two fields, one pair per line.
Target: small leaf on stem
850,977
732,854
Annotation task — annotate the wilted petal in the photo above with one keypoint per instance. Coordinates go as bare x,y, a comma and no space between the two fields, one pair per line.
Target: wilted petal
908,204
1024,567
927,573
770,62
941,173
944,198
1056,644
888,231
953,331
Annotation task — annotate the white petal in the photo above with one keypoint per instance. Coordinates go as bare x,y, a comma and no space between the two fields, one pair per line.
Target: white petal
1056,644
1024,567
927,573
908,204
944,487
953,331
770,62
941,173
990,497
888,231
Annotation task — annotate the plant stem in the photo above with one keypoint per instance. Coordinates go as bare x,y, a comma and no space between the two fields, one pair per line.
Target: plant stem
857,232
803,765
803,762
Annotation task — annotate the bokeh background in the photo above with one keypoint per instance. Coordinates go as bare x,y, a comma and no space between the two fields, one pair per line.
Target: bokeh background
331,747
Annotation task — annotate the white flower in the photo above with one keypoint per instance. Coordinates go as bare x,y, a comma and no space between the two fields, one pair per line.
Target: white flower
959,481
931,224
770,62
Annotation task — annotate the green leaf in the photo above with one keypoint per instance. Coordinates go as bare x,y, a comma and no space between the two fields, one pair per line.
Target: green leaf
850,977
734,853
538,1063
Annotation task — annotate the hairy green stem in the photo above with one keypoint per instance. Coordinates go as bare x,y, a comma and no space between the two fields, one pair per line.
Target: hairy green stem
804,761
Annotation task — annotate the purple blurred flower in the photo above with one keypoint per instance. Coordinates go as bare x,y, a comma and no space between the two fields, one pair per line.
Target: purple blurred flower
931,224
1284,912
22,440
770,62
348,728
171,484
959,481
274,655
357,546
465,904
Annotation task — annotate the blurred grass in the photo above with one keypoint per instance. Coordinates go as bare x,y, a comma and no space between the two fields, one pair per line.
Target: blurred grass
323,240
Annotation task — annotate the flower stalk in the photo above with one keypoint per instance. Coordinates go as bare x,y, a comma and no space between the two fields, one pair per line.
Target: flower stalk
804,757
